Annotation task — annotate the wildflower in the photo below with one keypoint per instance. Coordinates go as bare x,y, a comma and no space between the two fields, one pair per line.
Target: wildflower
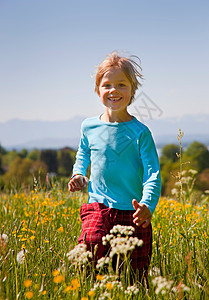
60,229
100,277
75,283
102,261
55,272
109,286
162,284
84,298
123,245
58,279
122,230
4,238
132,290
79,254
68,288
21,256
29,295
27,283
43,293
91,293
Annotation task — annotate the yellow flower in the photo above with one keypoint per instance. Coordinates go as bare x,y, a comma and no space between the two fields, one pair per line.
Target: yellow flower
43,275
100,277
68,288
55,272
29,295
109,286
43,293
91,293
60,229
84,298
32,237
27,283
75,283
58,279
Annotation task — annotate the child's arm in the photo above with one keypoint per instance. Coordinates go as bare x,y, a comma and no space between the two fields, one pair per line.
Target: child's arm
77,183
151,182
79,180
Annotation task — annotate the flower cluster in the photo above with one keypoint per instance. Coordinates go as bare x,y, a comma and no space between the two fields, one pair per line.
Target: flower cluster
123,245
79,254
132,290
121,230
121,241
164,286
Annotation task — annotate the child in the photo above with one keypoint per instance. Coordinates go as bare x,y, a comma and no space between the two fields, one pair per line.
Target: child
124,185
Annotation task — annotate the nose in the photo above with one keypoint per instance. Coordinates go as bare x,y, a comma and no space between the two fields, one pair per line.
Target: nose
113,88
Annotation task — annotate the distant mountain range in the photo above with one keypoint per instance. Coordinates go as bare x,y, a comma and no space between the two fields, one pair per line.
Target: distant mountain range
18,134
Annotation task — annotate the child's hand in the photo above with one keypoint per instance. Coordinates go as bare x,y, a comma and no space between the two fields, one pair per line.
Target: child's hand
77,183
142,214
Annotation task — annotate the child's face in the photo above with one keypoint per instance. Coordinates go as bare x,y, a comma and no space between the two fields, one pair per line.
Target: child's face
115,90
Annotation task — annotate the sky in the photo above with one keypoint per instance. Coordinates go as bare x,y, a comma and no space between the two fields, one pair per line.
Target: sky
49,50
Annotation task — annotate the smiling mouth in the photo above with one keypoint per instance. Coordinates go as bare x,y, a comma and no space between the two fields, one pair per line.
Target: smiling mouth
114,99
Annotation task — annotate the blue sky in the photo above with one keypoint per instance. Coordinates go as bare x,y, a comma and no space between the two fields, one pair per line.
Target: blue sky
50,48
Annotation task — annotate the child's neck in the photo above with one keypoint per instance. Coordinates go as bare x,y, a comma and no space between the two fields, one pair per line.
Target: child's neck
111,116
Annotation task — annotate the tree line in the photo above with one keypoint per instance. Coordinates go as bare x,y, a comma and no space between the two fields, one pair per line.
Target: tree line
19,169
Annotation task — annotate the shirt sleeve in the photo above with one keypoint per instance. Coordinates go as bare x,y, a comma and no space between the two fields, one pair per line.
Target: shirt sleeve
83,156
151,175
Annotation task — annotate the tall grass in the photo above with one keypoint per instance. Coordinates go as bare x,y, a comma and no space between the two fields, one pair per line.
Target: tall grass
39,228
45,227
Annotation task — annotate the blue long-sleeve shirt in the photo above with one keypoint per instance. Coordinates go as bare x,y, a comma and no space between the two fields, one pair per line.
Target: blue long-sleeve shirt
124,163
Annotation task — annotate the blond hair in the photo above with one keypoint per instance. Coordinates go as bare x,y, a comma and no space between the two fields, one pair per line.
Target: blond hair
130,68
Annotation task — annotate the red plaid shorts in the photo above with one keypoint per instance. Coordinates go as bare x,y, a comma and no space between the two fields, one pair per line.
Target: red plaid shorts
98,220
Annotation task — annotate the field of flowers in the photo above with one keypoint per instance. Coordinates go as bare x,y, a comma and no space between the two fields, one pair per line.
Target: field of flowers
40,228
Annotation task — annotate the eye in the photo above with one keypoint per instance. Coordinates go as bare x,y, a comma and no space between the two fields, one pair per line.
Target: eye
106,85
121,84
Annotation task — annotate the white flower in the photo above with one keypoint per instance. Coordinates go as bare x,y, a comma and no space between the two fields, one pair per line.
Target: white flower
193,172
154,271
122,245
133,289
21,256
79,254
4,238
102,261
122,230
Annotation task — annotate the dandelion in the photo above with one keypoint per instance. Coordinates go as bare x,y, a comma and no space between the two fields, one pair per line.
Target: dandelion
55,272
61,229
100,277
75,283
84,298
21,256
44,292
91,293
109,286
29,295
58,279
27,283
